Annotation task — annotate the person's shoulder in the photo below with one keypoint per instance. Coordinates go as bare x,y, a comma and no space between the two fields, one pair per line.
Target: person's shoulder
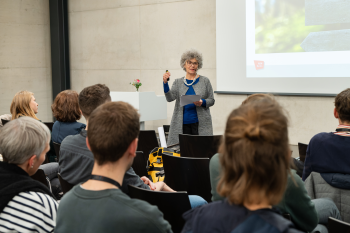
275,220
215,162
320,137
215,158
204,78
71,139
213,210
181,80
294,185
142,210
37,200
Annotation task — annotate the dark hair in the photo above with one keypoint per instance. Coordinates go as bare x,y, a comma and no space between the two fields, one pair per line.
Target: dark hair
112,128
65,107
257,97
93,96
342,105
254,154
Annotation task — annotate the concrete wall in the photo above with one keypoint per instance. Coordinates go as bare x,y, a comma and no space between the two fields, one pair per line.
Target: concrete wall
114,42
25,53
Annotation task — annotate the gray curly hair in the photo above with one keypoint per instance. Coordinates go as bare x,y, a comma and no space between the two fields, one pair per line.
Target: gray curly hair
190,54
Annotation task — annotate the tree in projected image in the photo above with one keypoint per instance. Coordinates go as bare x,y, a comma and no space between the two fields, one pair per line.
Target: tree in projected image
280,26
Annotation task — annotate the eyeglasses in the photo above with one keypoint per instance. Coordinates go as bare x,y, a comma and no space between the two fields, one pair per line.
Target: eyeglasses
192,63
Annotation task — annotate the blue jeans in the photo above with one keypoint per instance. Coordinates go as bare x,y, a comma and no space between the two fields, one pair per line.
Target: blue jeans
325,208
196,201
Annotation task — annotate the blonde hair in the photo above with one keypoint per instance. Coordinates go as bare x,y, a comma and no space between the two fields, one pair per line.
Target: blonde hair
20,105
254,154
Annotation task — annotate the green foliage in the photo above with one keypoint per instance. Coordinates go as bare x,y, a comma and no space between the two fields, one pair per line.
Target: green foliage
282,33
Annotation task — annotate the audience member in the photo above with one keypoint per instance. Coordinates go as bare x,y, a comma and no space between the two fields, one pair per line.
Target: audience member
5,117
76,160
255,163
329,152
26,205
99,205
24,104
66,110
296,202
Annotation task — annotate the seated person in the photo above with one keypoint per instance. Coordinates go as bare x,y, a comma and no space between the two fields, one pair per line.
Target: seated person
76,160
26,205
255,163
105,207
24,104
329,152
5,117
66,110
296,202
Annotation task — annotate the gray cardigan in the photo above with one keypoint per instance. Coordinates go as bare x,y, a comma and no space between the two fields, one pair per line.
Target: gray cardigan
317,187
202,88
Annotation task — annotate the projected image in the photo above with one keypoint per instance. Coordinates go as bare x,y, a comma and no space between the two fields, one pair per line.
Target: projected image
285,26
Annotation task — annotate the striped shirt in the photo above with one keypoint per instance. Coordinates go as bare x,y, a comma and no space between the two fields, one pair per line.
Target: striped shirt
29,212
343,133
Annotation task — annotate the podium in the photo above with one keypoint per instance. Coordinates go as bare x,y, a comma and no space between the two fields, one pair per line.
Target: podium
151,106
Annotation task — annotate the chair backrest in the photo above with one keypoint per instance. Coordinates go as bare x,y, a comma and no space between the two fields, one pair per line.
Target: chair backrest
49,125
196,146
337,226
4,122
172,204
147,141
41,177
57,150
140,163
64,184
188,174
166,128
302,151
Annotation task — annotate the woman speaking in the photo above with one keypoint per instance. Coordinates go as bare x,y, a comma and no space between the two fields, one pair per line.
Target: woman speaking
193,118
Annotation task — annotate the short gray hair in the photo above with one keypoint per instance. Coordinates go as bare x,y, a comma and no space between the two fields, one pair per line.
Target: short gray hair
22,138
190,54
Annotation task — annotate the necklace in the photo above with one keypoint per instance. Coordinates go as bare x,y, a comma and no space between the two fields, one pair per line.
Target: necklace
190,84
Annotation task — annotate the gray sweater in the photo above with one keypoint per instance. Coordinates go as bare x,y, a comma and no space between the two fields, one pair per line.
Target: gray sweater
202,88
76,163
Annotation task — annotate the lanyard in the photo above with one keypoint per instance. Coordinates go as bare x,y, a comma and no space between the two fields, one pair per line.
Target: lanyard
105,179
342,130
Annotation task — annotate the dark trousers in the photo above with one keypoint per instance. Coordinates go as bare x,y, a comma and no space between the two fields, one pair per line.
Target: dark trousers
190,128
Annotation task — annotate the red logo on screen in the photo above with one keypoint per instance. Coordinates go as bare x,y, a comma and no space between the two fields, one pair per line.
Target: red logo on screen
259,65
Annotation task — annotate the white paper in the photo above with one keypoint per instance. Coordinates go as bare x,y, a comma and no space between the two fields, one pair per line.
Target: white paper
162,137
188,99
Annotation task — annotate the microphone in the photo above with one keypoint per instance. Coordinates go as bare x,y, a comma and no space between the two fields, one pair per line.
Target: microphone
167,78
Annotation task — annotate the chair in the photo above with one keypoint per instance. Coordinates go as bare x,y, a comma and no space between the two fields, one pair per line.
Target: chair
196,146
337,226
147,141
57,150
302,151
188,174
172,204
49,125
287,216
64,184
140,163
166,129
41,177
4,121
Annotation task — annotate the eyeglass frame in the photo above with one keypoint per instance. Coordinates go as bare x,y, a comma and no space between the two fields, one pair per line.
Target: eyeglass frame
188,62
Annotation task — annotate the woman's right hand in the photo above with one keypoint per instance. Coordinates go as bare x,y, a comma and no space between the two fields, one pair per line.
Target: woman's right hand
165,77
